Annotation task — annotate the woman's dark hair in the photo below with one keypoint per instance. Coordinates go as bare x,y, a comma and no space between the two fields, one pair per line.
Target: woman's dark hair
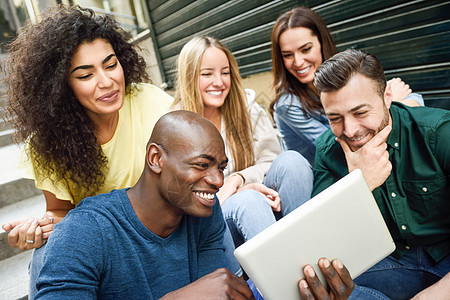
285,82
42,106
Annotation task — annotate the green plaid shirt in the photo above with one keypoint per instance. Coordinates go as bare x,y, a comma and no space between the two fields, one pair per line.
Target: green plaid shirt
415,198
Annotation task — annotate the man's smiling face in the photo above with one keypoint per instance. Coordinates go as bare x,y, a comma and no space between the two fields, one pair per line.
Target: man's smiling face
192,172
357,112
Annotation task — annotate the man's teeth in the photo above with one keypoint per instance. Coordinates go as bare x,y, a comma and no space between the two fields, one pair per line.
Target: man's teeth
358,138
215,93
208,196
303,71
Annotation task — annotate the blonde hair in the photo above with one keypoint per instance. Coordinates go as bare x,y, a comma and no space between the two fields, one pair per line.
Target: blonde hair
238,126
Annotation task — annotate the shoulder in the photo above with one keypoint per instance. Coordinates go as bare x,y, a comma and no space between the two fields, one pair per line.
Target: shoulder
287,100
326,141
253,106
148,91
424,117
97,206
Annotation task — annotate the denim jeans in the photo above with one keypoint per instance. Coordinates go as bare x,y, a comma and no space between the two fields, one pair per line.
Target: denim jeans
405,277
247,212
359,293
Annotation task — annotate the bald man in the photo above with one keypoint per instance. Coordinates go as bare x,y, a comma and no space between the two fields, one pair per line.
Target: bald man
161,238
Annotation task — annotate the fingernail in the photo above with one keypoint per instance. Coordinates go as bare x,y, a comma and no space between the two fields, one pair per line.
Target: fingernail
326,263
45,235
310,272
303,284
338,264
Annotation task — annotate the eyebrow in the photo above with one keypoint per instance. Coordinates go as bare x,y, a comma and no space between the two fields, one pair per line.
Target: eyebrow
302,46
359,106
208,69
211,158
351,110
84,67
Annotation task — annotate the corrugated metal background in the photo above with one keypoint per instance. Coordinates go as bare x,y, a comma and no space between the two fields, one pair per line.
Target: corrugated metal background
411,38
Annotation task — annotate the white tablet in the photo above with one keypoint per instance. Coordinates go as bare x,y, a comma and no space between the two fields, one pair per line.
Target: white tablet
342,222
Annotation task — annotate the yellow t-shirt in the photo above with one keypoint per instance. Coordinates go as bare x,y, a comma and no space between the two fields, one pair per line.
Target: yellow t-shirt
141,108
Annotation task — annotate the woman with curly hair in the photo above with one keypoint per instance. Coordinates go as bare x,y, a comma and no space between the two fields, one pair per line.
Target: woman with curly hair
261,185
78,102
301,41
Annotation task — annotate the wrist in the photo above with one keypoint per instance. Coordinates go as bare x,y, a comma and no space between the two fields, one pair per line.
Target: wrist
241,179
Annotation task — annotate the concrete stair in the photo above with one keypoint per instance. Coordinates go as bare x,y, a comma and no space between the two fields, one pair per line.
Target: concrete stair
19,199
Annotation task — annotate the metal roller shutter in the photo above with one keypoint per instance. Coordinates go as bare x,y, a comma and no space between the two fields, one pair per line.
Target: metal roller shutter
411,38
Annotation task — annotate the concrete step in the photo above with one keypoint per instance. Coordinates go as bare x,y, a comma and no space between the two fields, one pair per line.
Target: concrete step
13,188
14,278
17,190
33,207
6,137
9,161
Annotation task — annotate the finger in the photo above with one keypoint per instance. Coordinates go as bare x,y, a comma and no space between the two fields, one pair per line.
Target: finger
332,277
38,240
305,291
277,201
242,289
30,237
46,221
274,202
344,146
379,138
265,190
10,225
47,228
314,283
344,274
13,236
7,226
21,243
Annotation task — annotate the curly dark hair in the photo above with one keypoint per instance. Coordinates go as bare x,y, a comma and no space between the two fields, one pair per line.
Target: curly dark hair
41,105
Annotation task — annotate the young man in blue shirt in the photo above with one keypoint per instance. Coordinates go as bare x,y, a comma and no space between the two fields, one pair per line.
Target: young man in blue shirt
162,238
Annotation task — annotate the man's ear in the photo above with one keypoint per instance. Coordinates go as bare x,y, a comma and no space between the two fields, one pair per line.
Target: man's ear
154,157
388,96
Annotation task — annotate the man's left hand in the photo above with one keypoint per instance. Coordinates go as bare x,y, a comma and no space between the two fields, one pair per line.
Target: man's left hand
337,276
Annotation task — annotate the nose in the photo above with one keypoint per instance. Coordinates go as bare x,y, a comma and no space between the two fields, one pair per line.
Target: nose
218,81
298,60
214,178
104,80
351,127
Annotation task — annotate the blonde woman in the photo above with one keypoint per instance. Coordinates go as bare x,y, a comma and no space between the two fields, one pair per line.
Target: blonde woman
261,185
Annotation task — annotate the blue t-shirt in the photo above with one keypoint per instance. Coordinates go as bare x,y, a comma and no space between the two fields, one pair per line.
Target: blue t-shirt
101,249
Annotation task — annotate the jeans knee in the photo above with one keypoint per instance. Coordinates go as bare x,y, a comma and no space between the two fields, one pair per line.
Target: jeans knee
292,162
251,197
237,204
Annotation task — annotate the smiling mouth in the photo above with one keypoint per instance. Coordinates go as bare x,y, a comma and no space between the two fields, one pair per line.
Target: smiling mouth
108,97
205,195
303,71
214,93
357,139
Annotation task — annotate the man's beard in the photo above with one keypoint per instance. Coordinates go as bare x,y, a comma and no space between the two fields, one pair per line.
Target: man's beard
360,135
